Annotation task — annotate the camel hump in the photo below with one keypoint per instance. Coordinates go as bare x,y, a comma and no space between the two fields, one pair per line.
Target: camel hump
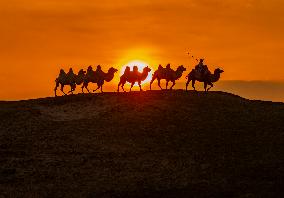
160,67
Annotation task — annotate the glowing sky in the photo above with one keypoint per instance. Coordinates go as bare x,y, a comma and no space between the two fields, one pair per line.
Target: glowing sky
38,37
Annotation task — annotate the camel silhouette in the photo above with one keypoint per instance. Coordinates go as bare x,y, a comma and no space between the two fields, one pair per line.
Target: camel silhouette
207,79
70,79
98,77
168,74
133,77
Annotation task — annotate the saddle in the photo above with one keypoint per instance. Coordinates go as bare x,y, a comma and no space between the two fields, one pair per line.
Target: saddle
201,72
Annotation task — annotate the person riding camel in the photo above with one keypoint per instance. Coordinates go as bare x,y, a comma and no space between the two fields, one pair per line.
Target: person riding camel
201,68
90,68
62,72
71,76
135,70
99,71
168,70
160,67
127,70
99,68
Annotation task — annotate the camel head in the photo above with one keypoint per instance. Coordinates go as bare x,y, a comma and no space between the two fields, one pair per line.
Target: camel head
218,71
110,74
181,68
146,69
112,70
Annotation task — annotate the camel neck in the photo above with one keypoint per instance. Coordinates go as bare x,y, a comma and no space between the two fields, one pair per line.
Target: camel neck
144,75
216,77
178,73
109,76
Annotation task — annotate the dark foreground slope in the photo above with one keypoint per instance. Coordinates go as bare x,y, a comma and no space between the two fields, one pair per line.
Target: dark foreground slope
149,144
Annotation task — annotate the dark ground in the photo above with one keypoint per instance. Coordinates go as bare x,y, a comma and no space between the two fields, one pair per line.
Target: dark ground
149,144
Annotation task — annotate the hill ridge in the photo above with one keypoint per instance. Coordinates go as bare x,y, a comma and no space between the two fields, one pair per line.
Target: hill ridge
148,144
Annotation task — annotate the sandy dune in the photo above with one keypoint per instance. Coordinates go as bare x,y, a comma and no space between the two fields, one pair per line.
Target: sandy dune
148,144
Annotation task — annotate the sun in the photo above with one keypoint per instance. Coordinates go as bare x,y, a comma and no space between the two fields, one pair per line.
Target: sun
140,65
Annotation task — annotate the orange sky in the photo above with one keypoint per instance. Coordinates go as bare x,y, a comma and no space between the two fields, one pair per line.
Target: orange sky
38,37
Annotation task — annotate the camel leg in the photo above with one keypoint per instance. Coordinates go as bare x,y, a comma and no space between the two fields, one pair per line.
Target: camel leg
123,87
86,87
153,79
132,84
205,86
118,86
139,83
55,89
102,89
193,85
211,85
159,84
88,90
73,88
174,83
97,88
187,83
167,83
62,89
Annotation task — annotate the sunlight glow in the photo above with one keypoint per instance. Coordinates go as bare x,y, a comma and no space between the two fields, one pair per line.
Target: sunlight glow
140,65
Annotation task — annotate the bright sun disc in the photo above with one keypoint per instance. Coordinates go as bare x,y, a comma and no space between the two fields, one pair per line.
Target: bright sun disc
140,65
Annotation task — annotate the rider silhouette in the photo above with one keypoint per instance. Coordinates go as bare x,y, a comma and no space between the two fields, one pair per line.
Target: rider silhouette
127,70
168,66
168,70
90,68
135,70
71,76
71,73
62,71
99,68
99,71
201,67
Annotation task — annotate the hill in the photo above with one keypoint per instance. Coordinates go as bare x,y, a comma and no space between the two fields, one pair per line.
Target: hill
148,144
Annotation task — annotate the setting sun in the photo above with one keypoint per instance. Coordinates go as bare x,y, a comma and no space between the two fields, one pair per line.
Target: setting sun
140,65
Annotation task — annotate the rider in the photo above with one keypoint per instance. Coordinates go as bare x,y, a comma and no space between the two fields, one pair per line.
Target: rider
90,68
62,72
135,70
71,74
168,70
127,70
201,67
99,71
160,67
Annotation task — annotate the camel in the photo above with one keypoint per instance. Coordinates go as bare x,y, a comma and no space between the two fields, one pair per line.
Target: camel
99,77
64,79
168,75
133,77
79,79
208,78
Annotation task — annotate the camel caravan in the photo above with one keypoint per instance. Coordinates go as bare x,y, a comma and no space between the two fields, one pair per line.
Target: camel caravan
200,73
